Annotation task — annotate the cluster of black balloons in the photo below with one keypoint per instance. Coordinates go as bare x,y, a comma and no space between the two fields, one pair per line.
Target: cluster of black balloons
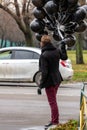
62,17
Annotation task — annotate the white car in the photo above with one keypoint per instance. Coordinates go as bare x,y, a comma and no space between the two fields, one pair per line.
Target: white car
66,70
22,64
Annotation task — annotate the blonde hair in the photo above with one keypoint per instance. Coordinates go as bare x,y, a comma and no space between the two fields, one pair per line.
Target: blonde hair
46,39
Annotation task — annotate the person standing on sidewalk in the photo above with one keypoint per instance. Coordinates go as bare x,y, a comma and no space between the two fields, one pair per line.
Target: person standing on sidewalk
51,77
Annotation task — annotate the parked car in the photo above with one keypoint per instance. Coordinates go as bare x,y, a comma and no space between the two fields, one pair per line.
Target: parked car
22,64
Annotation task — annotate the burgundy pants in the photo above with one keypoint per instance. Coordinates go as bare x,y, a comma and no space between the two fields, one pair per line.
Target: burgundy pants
51,96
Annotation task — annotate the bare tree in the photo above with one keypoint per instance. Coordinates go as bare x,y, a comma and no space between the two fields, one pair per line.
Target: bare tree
9,29
20,11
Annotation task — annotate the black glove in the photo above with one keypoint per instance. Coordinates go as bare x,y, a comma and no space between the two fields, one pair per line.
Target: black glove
39,91
63,47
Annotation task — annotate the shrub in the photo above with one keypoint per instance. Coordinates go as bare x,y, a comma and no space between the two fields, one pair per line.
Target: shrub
70,125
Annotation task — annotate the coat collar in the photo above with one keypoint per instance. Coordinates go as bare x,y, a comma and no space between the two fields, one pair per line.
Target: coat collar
48,47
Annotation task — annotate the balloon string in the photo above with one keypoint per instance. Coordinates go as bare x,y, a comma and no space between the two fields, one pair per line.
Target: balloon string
49,18
65,18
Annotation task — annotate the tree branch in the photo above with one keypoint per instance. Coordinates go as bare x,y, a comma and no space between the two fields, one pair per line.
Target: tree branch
17,8
28,6
17,19
24,7
8,11
10,3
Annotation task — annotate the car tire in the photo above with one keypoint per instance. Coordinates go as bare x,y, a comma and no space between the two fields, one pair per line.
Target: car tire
38,78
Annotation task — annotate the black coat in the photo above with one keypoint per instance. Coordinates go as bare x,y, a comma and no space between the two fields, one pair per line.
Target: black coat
49,65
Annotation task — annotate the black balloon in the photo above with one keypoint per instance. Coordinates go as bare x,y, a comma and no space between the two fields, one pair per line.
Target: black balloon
69,40
85,7
72,1
79,15
51,7
58,35
39,13
61,17
37,25
63,5
39,35
38,3
47,1
72,6
56,1
81,26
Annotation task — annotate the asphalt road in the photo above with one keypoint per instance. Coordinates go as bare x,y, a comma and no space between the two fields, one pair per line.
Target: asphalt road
22,109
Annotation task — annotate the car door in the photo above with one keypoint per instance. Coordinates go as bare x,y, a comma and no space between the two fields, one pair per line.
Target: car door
5,59
26,64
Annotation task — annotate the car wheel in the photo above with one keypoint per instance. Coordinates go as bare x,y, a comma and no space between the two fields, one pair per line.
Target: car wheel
38,78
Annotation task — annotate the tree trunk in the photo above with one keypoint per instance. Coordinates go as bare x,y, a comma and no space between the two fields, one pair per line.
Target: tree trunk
27,33
2,41
28,38
5,43
79,50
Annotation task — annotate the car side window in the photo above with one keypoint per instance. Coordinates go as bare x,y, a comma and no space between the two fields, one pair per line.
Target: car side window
23,54
36,56
5,55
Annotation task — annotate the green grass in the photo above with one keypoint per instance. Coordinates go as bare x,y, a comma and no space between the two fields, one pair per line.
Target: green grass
70,125
80,70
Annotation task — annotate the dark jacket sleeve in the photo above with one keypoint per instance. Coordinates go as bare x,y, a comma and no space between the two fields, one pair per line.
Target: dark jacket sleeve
44,70
63,52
